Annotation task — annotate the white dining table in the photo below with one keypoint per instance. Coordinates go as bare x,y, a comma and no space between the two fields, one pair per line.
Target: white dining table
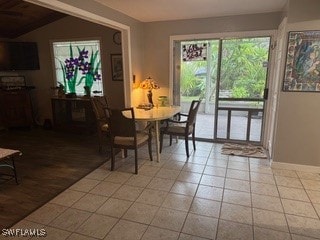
155,115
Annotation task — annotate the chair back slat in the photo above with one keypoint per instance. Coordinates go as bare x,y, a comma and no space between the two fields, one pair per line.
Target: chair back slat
192,116
124,136
99,104
122,122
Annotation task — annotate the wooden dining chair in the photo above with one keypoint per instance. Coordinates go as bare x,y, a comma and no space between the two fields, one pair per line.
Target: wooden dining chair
124,135
181,127
99,105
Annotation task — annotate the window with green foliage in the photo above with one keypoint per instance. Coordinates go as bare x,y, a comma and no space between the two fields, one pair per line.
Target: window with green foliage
198,78
244,66
78,66
243,69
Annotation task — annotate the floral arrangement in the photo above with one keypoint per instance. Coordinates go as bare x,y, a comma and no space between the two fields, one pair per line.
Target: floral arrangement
72,66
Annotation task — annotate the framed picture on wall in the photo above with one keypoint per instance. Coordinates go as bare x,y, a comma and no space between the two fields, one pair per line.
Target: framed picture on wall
302,69
116,67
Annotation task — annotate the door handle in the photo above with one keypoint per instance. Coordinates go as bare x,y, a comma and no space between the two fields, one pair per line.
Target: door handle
265,93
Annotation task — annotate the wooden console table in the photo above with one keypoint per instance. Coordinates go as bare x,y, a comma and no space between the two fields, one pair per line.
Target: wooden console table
16,108
73,115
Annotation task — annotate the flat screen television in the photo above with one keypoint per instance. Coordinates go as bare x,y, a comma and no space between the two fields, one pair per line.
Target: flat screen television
19,56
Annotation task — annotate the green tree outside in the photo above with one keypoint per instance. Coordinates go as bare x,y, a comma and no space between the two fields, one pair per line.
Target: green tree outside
242,70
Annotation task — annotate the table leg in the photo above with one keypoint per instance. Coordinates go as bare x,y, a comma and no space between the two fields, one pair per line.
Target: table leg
14,170
157,140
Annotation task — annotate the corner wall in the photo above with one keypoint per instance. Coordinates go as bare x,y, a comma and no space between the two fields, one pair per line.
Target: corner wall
157,36
298,132
69,28
99,13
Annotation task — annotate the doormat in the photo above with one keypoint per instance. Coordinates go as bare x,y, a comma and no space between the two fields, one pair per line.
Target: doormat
244,150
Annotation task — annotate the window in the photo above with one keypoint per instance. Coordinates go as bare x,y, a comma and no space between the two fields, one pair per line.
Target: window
78,66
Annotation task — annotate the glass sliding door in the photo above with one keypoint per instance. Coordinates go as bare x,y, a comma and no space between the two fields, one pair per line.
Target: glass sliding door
195,78
229,76
242,89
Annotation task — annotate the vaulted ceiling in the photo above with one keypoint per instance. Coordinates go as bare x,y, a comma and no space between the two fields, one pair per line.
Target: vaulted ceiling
18,17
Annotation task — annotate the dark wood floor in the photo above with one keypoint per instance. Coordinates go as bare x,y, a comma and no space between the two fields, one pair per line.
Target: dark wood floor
51,162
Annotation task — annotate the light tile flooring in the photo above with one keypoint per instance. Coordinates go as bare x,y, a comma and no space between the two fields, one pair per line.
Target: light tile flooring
208,196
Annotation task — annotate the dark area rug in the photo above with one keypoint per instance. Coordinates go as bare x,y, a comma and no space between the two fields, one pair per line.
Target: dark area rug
245,150
50,162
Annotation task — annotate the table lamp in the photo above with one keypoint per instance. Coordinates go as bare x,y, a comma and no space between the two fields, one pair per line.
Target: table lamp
149,84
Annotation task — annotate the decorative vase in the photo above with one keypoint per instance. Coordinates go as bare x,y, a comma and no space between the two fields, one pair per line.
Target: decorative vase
163,101
61,92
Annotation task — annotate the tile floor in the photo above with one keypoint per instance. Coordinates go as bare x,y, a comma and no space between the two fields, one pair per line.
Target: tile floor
208,196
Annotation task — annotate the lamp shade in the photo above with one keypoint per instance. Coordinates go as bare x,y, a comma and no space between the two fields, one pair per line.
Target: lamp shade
149,84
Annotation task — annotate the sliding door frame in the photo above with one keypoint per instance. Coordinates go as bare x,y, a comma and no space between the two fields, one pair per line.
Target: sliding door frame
213,36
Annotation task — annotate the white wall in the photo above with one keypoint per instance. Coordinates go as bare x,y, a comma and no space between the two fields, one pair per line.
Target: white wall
298,119
300,11
157,34
133,29
66,29
298,133
136,44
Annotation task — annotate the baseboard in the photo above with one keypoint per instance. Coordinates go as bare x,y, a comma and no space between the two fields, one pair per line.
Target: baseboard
296,167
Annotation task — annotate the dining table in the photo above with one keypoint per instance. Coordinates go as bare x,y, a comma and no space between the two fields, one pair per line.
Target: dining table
155,115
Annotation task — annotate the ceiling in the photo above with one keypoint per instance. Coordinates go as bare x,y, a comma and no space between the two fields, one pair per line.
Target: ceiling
162,10
18,17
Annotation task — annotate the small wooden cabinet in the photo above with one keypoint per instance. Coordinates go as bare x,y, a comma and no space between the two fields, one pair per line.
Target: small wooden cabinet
16,108
73,115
